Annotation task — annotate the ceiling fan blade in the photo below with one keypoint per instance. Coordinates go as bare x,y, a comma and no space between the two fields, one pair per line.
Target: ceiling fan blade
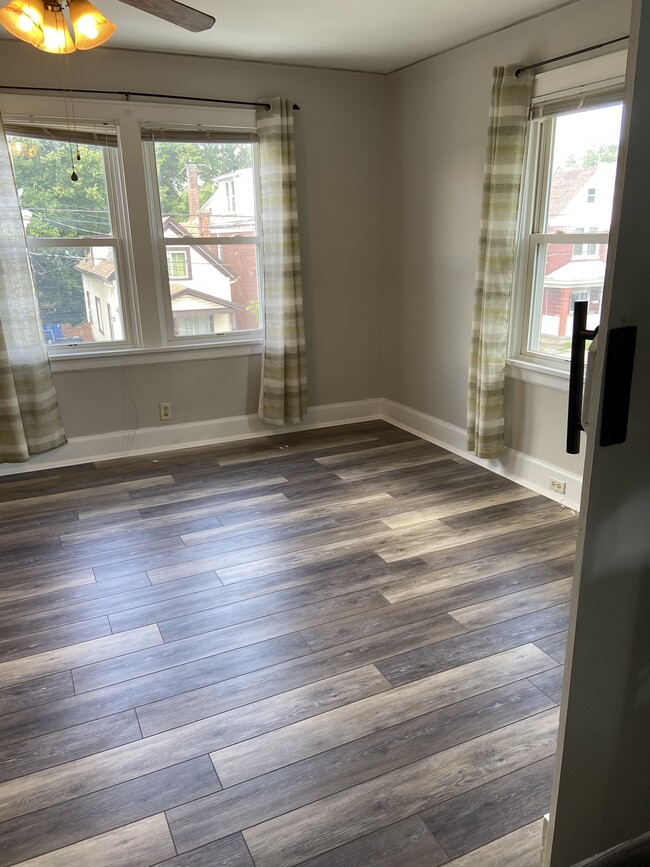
176,13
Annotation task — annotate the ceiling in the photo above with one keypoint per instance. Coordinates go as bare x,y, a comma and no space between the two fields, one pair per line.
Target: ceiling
365,35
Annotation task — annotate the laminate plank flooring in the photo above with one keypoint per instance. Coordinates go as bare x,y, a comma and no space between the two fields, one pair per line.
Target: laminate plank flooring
324,648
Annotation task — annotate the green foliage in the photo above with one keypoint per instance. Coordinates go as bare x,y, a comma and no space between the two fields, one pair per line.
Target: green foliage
62,208
212,160
593,157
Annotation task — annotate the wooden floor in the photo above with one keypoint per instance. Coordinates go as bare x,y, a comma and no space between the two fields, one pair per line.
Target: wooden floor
335,649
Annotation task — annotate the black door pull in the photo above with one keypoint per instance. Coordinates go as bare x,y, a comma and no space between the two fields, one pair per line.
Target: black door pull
577,371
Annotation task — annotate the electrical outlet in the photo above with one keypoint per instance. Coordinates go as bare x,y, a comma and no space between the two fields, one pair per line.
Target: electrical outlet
165,411
557,485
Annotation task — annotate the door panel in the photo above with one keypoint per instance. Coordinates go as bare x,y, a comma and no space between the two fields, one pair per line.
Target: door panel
602,785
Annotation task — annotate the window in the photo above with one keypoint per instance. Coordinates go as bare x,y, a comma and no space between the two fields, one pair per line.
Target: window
100,316
72,228
146,250
569,184
221,249
177,264
230,196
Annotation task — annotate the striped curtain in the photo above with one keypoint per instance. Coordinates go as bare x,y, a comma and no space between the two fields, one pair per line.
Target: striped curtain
283,395
29,415
501,185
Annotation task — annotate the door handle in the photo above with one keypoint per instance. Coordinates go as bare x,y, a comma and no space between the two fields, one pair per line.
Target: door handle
619,366
577,371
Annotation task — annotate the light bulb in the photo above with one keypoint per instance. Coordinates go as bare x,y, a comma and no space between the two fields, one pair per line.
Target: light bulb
24,18
56,36
90,27
86,26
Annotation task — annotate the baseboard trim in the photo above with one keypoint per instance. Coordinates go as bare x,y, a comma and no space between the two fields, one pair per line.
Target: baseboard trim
172,437
517,466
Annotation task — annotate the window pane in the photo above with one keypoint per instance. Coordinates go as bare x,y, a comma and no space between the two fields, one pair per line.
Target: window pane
54,206
563,277
207,189
585,150
78,294
220,294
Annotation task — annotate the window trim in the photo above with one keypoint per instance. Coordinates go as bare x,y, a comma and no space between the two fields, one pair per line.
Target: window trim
137,257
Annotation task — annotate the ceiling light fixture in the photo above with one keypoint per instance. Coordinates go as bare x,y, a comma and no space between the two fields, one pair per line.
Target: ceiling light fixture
42,23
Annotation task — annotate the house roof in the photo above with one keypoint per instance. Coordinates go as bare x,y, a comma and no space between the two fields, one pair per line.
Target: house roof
577,272
103,270
183,231
178,291
565,186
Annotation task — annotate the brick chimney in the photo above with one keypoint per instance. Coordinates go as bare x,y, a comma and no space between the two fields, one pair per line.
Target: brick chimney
193,190
204,223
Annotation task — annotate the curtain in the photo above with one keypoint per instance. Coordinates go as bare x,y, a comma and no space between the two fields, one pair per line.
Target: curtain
29,415
509,111
283,395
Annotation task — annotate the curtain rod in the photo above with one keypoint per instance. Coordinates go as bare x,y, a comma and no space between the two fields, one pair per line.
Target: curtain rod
570,54
127,94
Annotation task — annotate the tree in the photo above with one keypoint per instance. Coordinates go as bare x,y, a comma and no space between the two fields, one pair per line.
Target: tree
212,160
593,157
56,207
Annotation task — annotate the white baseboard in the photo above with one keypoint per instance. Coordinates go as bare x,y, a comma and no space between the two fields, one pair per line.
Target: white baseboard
142,441
521,468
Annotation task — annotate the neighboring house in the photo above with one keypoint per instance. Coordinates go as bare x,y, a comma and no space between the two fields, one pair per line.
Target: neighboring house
228,213
103,314
580,201
200,285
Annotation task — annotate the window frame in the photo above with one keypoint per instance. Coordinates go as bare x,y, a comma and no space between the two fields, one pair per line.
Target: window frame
598,82
162,244
148,337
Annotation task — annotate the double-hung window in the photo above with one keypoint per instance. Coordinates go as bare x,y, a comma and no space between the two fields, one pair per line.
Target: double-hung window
215,290
566,210
73,229
155,246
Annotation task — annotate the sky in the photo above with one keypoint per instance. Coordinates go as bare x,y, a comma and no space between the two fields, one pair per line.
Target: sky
576,133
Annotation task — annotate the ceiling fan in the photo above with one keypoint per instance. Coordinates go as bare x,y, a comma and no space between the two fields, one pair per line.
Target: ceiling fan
43,24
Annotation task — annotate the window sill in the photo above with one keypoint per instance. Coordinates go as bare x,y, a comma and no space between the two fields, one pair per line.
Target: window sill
537,374
94,360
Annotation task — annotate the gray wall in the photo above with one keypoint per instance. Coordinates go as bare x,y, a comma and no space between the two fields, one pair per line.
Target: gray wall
390,176
340,154
438,113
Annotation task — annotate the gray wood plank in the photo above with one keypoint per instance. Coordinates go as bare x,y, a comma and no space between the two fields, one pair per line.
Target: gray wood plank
423,661
36,754
254,801
51,639
407,842
367,807
554,645
478,817
303,669
231,852
91,815
551,683
291,743
31,693
186,679
140,844
520,848
51,661
421,607
514,605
